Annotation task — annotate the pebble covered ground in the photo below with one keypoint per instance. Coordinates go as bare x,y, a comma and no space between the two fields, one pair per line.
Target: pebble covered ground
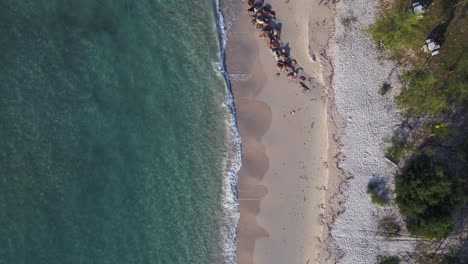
368,118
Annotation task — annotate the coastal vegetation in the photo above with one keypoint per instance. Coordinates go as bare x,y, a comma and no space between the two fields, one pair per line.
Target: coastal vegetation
388,226
377,193
399,29
434,100
388,260
432,85
426,194
452,257
397,149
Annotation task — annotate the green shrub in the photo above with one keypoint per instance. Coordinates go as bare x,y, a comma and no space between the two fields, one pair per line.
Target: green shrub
462,150
426,194
432,227
377,193
440,130
397,149
388,260
452,257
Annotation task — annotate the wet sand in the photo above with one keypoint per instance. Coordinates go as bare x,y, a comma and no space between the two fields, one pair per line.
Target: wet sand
284,136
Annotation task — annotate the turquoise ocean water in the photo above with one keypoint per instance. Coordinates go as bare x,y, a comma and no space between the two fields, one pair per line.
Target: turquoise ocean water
113,128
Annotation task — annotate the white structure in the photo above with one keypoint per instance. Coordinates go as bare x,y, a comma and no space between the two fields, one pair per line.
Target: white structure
417,8
431,46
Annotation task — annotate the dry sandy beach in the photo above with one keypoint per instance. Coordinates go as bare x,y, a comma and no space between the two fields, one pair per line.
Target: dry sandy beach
284,134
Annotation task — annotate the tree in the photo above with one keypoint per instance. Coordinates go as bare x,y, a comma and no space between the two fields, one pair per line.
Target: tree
426,194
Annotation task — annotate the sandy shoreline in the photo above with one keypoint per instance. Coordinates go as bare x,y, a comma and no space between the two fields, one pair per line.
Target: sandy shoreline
284,134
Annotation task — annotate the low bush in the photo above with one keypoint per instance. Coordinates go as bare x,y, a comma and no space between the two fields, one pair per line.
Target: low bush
397,149
385,88
388,260
377,193
448,258
388,226
462,150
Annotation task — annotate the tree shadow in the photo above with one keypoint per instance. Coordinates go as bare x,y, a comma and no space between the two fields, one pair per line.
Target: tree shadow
439,32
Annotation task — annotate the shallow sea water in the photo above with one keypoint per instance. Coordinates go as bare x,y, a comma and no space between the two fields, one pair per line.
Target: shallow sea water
112,132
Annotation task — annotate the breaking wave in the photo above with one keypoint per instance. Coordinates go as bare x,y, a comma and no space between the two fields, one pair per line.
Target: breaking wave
233,159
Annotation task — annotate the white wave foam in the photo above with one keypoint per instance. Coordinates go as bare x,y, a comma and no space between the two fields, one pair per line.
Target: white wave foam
240,76
233,159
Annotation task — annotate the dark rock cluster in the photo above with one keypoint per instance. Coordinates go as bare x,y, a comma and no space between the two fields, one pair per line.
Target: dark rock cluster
264,19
